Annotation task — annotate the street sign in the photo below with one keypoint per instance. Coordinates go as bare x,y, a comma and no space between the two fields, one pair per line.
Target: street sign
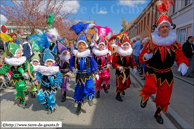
3,29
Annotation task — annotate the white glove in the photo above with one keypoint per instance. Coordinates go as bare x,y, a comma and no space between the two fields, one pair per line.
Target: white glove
182,68
134,71
97,76
69,74
2,78
148,56
121,68
75,71
26,76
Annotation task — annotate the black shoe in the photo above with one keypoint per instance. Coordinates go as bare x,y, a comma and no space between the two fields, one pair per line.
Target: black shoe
108,87
143,105
98,94
78,111
105,89
32,95
26,92
90,100
118,97
50,111
64,98
158,118
123,93
22,103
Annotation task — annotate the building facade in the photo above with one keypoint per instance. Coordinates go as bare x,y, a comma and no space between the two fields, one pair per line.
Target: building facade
182,14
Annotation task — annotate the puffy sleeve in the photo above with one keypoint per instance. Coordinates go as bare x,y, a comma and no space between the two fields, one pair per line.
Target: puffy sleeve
132,62
72,62
179,56
141,58
58,79
115,61
38,77
4,69
94,65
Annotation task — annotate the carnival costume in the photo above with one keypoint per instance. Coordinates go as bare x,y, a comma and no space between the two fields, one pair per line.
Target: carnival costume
20,68
64,68
84,66
102,57
122,60
159,54
50,79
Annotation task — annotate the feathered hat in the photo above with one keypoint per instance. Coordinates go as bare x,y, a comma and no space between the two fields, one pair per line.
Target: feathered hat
122,39
80,29
52,35
163,8
36,56
102,33
40,39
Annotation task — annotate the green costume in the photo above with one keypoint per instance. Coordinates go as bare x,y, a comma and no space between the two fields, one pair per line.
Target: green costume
19,70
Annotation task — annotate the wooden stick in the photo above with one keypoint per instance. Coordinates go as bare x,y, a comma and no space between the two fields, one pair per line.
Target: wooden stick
150,35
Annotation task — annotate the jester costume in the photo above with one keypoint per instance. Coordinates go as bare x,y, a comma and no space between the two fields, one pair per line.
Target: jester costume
102,57
84,66
35,57
64,68
122,60
20,68
159,58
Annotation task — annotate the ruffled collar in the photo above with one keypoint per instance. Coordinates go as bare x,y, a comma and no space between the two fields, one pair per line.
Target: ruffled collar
12,61
35,67
82,54
97,52
161,41
121,52
48,70
64,58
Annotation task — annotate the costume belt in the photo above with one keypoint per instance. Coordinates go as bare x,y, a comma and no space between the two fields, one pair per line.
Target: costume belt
46,84
159,70
64,70
126,67
16,75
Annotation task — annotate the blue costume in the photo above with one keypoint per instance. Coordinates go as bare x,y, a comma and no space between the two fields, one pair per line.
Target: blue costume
86,67
27,47
50,79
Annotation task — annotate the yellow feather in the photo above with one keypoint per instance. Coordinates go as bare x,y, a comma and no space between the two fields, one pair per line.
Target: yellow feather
5,37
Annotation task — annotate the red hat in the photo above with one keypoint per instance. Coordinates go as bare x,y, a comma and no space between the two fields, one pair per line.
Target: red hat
163,8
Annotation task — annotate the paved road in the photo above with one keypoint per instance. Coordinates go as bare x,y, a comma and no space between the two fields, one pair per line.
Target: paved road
106,112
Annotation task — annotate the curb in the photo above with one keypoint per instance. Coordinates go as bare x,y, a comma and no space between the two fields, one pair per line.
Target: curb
174,117
184,80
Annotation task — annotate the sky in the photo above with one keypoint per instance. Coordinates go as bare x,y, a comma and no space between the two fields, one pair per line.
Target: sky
106,13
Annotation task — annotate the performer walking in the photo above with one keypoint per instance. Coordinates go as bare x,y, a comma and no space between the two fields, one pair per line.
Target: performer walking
102,57
64,68
83,66
50,78
122,60
19,71
159,54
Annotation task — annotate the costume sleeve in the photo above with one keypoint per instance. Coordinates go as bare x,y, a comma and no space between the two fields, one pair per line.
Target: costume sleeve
38,77
72,62
141,58
132,63
94,66
109,59
4,69
115,62
28,64
179,56
58,79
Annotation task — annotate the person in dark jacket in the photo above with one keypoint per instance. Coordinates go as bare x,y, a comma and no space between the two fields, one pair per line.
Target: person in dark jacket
27,48
188,48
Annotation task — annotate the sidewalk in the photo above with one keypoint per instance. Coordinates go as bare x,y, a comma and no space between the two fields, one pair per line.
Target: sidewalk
181,107
177,74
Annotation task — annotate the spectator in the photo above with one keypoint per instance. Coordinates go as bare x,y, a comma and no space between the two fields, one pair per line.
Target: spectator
132,42
188,50
20,33
14,37
136,48
27,48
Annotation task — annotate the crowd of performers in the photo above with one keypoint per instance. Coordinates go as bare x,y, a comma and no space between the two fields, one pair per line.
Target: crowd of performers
51,65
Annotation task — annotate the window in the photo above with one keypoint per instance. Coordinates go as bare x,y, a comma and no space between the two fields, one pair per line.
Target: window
148,19
156,14
141,25
173,11
144,23
188,32
187,2
182,36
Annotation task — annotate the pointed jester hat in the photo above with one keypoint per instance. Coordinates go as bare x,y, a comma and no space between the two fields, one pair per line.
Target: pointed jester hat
48,55
35,57
12,49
